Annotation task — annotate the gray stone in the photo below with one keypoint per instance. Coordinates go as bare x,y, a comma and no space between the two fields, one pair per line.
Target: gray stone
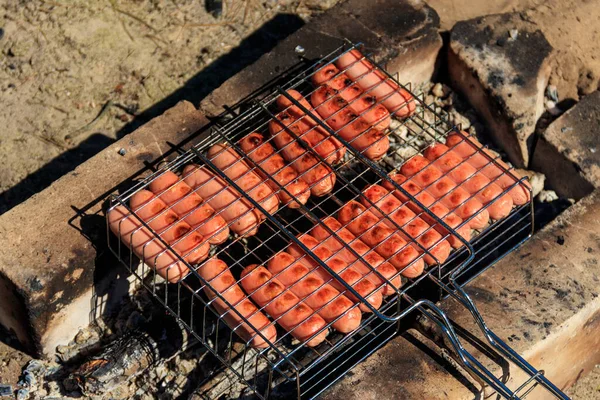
568,152
55,272
504,77
402,35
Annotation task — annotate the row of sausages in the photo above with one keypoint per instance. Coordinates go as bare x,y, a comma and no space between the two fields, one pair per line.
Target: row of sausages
202,208
305,300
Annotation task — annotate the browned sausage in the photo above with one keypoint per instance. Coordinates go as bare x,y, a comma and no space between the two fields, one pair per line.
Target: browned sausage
190,206
147,247
364,287
371,142
393,210
239,213
317,174
372,259
227,160
280,174
329,303
396,99
284,306
217,274
362,104
366,226
325,145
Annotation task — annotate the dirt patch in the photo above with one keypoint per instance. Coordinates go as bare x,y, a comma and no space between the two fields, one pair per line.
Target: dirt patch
77,75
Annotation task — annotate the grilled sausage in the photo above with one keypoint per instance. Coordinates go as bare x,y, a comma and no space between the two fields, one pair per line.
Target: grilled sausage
393,210
227,160
279,175
318,175
441,211
372,259
365,105
217,274
186,242
238,212
396,99
152,210
326,145
372,143
475,182
284,306
519,193
190,206
329,303
459,200
147,247
364,287
385,241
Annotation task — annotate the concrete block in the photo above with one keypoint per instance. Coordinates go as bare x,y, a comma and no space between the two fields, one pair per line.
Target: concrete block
568,152
501,64
55,270
401,34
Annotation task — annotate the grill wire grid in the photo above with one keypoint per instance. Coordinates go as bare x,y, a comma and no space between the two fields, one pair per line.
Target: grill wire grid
312,370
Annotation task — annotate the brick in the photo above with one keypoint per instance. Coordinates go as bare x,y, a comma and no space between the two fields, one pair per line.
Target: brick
502,77
55,270
401,34
567,152
544,297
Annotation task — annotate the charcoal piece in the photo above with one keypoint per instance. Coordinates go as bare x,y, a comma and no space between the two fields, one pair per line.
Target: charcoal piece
6,390
214,7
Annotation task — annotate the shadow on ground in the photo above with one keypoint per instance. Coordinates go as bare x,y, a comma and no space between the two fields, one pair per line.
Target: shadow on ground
198,87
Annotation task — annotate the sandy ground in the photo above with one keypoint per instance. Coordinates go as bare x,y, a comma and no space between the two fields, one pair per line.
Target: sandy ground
588,387
75,75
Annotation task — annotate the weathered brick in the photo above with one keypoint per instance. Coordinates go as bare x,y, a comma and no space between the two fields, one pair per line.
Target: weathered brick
401,34
55,269
542,300
568,151
502,76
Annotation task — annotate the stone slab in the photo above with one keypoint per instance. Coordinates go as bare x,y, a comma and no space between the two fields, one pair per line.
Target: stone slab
568,151
501,63
403,35
55,270
542,300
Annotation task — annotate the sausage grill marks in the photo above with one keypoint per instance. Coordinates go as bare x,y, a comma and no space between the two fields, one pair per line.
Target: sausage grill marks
368,244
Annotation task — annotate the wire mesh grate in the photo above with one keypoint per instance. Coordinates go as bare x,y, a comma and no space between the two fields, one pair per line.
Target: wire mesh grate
257,355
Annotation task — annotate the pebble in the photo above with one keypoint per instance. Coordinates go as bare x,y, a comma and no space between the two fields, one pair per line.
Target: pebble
546,196
70,384
82,336
6,390
552,93
513,34
438,90
552,108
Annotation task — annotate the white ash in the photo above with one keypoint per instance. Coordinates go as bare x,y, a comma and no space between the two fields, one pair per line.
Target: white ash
552,108
547,196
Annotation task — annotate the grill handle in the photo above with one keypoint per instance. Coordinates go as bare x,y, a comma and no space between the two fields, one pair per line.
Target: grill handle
474,367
